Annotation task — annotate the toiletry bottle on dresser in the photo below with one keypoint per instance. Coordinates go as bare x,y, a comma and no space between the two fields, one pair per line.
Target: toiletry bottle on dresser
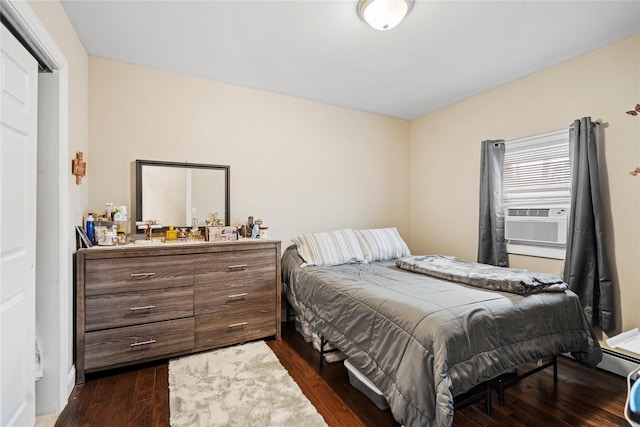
89,229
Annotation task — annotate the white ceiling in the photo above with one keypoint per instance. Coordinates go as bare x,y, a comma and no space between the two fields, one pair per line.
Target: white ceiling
443,52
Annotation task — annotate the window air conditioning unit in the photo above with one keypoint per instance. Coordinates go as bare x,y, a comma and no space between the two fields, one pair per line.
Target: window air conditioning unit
536,225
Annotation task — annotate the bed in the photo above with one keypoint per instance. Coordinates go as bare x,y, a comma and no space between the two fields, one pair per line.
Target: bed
423,340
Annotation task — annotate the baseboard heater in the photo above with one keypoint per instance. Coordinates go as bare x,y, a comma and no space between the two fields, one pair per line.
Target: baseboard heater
618,363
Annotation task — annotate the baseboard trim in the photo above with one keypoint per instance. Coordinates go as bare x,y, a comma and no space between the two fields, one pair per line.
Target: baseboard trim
71,380
618,363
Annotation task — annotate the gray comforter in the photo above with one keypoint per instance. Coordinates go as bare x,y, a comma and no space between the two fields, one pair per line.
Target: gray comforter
423,340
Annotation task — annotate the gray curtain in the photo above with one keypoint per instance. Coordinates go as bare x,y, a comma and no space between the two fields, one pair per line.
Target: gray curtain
586,269
492,245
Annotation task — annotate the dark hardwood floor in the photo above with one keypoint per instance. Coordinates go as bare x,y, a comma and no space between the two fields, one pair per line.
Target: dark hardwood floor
140,397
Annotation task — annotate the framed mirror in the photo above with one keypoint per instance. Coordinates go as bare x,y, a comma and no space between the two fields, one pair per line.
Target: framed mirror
180,194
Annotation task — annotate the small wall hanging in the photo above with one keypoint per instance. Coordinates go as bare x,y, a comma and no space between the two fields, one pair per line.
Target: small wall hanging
635,112
78,167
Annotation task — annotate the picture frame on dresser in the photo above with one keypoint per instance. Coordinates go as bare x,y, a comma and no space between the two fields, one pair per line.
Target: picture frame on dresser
82,238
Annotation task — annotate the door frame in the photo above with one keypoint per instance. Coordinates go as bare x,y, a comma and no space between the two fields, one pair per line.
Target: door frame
58,312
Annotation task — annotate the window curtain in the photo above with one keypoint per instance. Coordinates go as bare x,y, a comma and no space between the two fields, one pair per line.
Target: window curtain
492,245
586,269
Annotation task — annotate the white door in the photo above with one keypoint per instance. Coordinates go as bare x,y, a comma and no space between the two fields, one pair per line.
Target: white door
18,126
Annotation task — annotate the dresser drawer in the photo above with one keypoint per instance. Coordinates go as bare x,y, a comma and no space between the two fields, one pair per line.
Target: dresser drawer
134,308
111,275
120,346
225,267
213,330
255,291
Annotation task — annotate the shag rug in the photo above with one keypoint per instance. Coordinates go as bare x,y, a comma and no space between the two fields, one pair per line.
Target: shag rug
244,385
48,420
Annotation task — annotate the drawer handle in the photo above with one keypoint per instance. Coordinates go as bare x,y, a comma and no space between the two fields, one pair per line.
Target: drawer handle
146,307
241,296
237,325
137,344
238,267
141,275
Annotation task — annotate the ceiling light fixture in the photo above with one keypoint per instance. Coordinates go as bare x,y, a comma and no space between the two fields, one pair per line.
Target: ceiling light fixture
383,14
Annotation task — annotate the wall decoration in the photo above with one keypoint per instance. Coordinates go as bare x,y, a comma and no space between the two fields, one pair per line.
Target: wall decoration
635,112
78,167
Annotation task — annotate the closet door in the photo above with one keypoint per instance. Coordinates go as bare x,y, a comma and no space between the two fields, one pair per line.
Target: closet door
18,127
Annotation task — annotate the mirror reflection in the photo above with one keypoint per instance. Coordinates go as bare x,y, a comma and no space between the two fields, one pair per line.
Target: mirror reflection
181,194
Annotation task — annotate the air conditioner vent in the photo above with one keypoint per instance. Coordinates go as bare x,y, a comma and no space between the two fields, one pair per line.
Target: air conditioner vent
529,212
539,212
537,225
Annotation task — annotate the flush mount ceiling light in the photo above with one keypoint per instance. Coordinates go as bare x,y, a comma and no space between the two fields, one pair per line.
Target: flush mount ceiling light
383,14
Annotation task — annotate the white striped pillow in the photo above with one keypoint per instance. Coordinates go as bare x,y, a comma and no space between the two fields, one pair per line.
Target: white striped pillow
329,248
380,244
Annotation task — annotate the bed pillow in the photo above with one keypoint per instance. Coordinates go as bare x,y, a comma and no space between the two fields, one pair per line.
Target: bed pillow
381,244
329,248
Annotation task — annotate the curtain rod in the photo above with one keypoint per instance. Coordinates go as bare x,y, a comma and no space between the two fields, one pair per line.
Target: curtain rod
597,122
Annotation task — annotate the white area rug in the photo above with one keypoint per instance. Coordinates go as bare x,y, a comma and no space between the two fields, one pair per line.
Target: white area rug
48,420
244,385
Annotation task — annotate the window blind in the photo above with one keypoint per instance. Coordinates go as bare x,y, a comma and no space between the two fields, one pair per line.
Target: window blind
537,171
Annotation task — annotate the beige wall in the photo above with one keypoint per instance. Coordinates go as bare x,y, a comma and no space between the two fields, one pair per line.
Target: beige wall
445,148
300,166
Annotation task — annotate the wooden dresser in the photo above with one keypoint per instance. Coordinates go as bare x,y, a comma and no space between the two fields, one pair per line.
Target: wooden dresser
136,303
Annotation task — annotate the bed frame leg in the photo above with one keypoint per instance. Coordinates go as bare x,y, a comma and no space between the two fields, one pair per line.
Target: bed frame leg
487,400
323,341
504,381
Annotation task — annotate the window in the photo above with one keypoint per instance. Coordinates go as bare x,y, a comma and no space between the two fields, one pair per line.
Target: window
537,194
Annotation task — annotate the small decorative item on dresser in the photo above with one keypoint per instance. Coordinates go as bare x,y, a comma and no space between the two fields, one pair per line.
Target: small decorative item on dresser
247,228
105,235
148,231
221,234
214,219
120,214
230,233
255,231
263,231
121,236
171,234
213,234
